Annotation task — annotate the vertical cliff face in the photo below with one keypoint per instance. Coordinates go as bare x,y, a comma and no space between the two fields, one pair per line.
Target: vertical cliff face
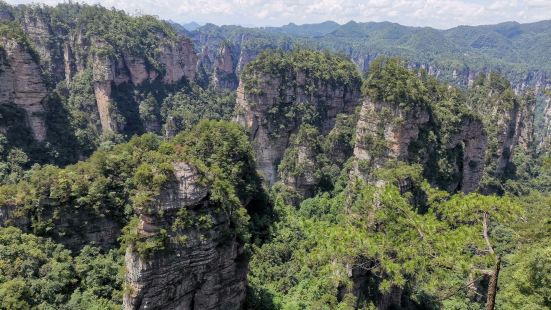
545,142
268,149
200,268
179,60
273,106
509,122
176,58
224,76
21,83
67,41
36,26
472,140
384,131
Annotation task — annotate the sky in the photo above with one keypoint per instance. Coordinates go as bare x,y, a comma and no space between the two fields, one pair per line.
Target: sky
441,14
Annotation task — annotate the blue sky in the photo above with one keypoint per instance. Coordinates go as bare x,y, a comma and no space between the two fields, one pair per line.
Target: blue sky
434,13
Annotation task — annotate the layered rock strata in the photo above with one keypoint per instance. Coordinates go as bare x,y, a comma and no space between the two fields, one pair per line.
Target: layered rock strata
198,269
21,83
270,139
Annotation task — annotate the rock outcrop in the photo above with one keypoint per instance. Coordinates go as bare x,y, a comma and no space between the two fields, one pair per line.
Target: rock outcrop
224,76
199,268
177,58
62,47
21,83
384,131
270,137
471,137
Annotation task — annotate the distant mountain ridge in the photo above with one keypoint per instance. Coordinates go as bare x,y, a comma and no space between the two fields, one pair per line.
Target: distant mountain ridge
509,47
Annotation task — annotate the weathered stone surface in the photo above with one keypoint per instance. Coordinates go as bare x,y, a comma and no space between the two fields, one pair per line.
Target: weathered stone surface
207,271
36,24
187,192
136,67
179,60
102,90
391,124
394,129
304,183
224,76
473,137
21,83
252,111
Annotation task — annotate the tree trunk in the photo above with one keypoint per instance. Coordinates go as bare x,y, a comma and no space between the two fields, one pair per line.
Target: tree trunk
492,286
392,298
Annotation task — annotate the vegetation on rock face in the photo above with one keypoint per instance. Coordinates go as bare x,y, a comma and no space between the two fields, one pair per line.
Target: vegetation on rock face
390,81
71,108
502,47
119,31
317,67
116,183
351,249
349,246
303,79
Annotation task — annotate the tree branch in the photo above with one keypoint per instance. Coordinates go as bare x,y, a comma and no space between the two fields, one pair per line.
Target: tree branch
485,232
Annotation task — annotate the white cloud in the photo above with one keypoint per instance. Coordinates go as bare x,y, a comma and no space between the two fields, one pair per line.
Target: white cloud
435,13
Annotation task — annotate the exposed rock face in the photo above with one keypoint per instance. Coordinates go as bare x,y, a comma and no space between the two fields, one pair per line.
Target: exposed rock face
305,182
36,26
62,53
385,131
270,140
269,150
224,76
381,121
509,121
545,143
206,271
21,84
72,227
179,60
102,90
473,138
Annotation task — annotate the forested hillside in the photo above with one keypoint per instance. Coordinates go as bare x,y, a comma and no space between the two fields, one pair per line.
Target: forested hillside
295,167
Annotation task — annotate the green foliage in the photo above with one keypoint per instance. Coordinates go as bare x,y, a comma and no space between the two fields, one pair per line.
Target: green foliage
100,274
184,109
82,108
318,67
226,155
117,184
312,155
12,30
526,283
32,270
37,273
367,231
307,69
390,81
129,178
510,48
118,32
494,100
